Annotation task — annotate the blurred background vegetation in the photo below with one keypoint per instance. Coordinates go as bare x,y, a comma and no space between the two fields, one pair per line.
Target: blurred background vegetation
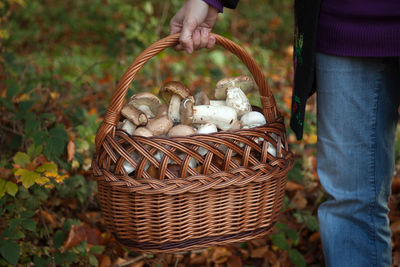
59,63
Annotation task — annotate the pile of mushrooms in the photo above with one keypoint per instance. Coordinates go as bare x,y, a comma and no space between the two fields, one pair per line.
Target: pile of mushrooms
183,114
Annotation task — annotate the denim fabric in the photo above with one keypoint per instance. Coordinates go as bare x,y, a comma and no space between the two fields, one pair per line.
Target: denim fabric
357,113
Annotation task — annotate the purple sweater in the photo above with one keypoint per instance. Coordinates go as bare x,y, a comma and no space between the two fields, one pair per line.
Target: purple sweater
359,27
356,27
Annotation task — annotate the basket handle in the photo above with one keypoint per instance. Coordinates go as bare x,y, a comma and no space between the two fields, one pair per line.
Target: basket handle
111,117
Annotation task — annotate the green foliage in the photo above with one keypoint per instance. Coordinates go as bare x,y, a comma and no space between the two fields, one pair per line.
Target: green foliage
60,62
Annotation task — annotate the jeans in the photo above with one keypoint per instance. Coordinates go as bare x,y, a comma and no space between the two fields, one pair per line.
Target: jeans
357,113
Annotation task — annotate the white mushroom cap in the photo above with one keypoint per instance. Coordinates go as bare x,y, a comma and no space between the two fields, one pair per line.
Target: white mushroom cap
252,119
238,100
207,128
181,130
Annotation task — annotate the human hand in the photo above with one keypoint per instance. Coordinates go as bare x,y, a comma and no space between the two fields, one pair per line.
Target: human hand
194,21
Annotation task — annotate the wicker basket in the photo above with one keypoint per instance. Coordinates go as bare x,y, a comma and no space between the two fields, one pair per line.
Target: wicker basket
224,201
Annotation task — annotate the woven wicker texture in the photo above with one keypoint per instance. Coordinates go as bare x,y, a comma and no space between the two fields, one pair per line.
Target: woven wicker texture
233,194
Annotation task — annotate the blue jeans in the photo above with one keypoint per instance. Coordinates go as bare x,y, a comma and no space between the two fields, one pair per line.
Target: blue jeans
357,103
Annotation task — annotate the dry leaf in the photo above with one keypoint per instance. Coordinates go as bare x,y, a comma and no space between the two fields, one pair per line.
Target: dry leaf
292,186
314,237
220,255
70,150
396,185
137,264
105,261
199,259
234,261
259,253
48,217
80,233
299,200
395,227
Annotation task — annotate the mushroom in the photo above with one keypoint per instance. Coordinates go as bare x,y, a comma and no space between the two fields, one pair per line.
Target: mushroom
237,99
172,93
201,99
223,117
159,125
134,115
217,103
252,119
181,130
128,127
205,129
143,131
162,110
245,83
148,103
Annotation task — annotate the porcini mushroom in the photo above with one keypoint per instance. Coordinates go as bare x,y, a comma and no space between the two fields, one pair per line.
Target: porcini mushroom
205,129
172,93
201,99
181,130
162,110
252,119
223,117
143,131
245,83
148,103
159,125
238,100
128,127
137,117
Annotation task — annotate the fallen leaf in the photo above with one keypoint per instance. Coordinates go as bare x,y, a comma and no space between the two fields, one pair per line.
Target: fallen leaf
314,237
220,255
299,200
198,259
137,264
105,261
48,217
395,227
70,150
396,185
234,261
292,186
82,232
259,253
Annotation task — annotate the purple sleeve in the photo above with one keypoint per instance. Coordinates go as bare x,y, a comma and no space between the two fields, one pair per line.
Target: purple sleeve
215,3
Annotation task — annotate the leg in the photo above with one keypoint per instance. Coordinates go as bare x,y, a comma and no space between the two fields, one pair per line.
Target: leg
357,115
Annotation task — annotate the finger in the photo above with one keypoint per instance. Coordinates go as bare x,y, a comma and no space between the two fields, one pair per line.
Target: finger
178,47
196,39
204,37
211,41
186,36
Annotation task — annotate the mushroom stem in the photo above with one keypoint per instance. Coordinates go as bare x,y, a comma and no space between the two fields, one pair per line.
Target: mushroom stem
217,103
223,117
134,115
173,110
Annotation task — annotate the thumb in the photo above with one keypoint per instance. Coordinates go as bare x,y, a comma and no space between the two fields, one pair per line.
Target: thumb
185,38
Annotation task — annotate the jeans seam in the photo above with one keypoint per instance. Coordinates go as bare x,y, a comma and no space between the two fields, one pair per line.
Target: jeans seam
372,205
